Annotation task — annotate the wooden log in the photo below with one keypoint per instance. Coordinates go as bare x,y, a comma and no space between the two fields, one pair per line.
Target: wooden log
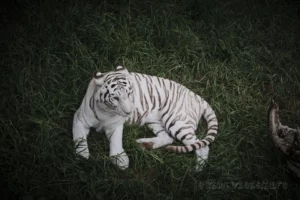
285,138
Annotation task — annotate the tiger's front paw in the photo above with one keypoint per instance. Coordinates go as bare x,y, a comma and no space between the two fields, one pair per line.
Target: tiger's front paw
120,160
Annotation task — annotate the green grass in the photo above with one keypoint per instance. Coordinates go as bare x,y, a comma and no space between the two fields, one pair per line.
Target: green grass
229,52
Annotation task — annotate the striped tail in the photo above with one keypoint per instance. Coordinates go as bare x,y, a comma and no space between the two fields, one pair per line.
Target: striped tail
212,131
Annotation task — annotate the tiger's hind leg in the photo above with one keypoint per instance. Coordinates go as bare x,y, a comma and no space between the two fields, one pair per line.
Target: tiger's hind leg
162,138
187,136
202,156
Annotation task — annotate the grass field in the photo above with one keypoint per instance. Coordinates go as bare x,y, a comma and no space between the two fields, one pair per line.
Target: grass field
229,52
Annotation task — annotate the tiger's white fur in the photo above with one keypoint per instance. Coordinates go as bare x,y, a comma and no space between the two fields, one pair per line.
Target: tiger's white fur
168,108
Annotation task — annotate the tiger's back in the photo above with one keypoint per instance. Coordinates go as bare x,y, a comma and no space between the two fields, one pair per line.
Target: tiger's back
156,97
159,100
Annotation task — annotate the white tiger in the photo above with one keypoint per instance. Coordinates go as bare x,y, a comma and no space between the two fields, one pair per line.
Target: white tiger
168,108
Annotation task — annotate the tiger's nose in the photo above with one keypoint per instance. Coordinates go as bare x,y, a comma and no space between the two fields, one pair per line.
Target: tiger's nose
127,109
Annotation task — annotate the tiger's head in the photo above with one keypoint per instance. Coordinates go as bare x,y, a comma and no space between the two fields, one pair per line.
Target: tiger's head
114,93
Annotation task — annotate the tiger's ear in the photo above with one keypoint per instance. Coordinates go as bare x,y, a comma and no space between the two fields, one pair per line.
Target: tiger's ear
98,77
122,69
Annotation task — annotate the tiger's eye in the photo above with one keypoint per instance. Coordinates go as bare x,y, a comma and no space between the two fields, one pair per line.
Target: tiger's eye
116,98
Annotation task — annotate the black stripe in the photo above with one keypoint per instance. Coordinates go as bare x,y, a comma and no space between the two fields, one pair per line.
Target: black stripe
91,104
212,134
180,129
147,104
100,97
212,119
168,119
177,132
166,101
194,147
109,76
106,93
214,127
119,78
205,141
172,124
183,137
149,123
199,144
164,85
158,80
204,113
170,134
134,116
190,122
138,117
95,114
167,111
148,90
159,99
137,75
151,79
209,140
140,91
186,149
173,99
154,103
159,132
80,120
210,114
